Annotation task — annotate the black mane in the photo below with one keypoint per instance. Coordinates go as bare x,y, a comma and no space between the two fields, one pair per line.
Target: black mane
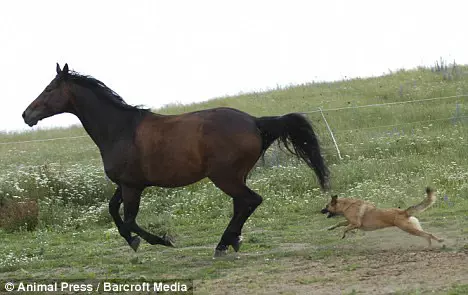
104,91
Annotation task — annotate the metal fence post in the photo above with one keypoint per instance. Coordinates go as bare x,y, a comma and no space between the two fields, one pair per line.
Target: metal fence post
331,134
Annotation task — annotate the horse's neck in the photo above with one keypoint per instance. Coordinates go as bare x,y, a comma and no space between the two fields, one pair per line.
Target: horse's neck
103,121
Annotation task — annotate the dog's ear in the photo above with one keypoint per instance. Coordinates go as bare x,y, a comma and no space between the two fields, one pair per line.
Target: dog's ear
334,198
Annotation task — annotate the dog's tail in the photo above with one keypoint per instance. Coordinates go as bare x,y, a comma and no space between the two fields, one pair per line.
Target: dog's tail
426,203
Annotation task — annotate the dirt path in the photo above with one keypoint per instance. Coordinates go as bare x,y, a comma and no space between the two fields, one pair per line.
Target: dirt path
385,262
391,271
386,272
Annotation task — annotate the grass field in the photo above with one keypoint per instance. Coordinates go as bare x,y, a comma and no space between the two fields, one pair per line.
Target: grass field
389,154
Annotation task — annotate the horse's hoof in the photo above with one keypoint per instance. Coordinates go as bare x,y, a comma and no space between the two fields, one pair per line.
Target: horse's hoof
219,253
135,243
237,244
168,241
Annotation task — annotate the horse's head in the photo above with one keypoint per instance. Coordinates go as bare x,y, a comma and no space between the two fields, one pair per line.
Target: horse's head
53,100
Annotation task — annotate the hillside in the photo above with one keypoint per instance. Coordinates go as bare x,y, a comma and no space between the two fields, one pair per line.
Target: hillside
396,134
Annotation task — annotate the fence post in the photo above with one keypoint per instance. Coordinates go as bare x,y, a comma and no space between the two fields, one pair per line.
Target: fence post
331,134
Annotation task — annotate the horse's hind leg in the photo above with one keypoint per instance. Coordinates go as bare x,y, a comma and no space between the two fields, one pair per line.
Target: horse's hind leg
114,206
131,200
245,202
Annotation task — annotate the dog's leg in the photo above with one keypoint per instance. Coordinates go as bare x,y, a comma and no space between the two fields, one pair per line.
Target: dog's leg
342,223
419,233
350,227
435,238
413,227
440,240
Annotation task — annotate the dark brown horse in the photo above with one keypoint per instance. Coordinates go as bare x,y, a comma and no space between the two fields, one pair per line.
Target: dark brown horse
141,149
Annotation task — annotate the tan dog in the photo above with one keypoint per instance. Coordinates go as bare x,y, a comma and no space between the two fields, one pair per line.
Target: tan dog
364,215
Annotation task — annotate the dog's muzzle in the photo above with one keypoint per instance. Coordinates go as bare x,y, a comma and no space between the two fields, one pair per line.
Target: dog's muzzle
325,211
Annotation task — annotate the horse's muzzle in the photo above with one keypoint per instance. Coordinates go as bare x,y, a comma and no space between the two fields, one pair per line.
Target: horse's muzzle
29,118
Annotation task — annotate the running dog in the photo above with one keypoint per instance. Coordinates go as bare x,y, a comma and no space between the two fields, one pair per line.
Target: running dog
364,215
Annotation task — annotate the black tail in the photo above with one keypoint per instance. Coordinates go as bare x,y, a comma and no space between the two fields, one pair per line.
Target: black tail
295,129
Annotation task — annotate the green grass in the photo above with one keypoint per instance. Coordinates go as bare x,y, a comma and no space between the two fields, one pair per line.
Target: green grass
458,290
388,165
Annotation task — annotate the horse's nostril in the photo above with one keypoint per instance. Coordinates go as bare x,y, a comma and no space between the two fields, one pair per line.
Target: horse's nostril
24,114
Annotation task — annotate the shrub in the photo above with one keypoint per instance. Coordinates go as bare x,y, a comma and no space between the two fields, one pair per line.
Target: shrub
19,215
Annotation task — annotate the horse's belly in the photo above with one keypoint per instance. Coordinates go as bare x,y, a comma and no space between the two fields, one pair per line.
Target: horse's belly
175,181
173,175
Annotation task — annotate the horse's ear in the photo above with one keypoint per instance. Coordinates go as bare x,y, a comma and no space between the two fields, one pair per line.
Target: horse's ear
58,69
65,69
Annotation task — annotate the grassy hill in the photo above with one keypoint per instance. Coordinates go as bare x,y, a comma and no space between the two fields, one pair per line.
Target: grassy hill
416,136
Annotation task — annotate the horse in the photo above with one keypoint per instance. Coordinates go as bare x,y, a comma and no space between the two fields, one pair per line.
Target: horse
140,148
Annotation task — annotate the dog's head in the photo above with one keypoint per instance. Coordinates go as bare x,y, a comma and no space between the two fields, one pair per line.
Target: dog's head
331,207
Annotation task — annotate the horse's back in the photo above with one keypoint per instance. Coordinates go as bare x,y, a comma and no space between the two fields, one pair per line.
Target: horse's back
232,140
182,149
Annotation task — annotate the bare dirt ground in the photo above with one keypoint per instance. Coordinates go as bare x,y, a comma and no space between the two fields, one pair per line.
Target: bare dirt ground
384,262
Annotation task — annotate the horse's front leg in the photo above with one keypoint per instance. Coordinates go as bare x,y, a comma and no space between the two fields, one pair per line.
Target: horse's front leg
131,199
114,206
